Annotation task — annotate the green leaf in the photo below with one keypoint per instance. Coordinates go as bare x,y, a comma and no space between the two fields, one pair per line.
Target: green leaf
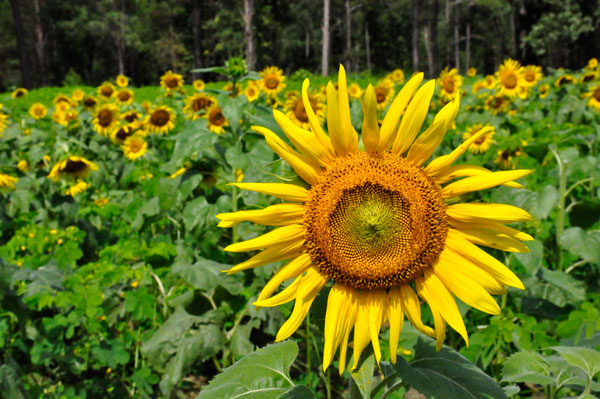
581,243
528,367
199,213
534,259
445,374
572,289
363,376
263,374
207,274
586,359
298,392
10,381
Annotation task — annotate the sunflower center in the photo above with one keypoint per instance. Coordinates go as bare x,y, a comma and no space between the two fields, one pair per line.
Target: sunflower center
135,146
381,95
124,96
74,166
160,117
374,221
300,111
217,118
89,102
597,94
106,91
200,104
172,83
271,82
131,117
105,117
510,80
449,85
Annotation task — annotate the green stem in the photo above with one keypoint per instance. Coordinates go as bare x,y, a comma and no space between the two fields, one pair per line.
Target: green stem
308,345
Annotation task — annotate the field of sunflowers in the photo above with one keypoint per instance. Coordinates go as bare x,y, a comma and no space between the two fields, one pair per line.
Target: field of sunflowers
125,229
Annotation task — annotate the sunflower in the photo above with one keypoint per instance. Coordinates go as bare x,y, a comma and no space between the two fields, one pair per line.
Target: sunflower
490,82
62,99
594,97
106,118
589,77
450,83
7,182
483,143
294,108
531,75
544,90
354,91
592,63
160,120
479,85
90,102
171,81
510,78
106,90
124,96
134,147
376,222
38,111
273,81
77,95
384,91
197,104
252,91
73,166
397,76
122,81
215,120
471,72
3,118
122,131
23,165
198,84
18,93
565,79
77,188
131,116
497,104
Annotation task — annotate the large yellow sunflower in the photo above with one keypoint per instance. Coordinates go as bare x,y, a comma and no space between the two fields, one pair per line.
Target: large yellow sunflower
273,81
594,97
124,96
450,82
510,78
376,223
106,118
197,104
171,81
294,108
134,147
73,166
160,120
122,81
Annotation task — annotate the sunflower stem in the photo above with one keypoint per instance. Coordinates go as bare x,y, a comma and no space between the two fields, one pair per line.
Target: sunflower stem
308,345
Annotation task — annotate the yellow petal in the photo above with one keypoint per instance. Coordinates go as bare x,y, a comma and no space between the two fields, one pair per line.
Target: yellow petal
350,138
395,316
440,329
274,215
392,117
287,192
490,224
286,295
455,171
463,279
313,121
339,304
349,325
412,308
485,261
302,166
304,141
413,119
480,212
438,165
431,138
333,121
287,250
361,329
310,286
482,182
435,293
293,269
493,239
370,128
278,236
377,302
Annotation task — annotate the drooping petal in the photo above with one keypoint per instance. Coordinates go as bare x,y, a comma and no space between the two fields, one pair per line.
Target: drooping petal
306,142
313,121
287,192
352,314
412,308
303,167
293,269
361,329
377,302
395,316
392,117
413,119
339,305
481,212
278,236
481,182
349,138
274,215
370,128
287,250
455,171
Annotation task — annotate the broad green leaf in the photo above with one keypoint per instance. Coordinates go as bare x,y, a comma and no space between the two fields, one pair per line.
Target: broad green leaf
199,213
446,374
586,359
581,243
363,376
528,367
572,288
207,274
263,374
298,392
534,259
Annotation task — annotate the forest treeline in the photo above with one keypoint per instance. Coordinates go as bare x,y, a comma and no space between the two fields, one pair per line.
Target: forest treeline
55,42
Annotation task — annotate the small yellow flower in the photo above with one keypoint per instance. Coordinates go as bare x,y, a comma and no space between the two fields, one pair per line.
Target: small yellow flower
216,121
160,120
23,166
397,76
483,143
198,84
134,284
544,90
7,183
59,241
252,91
38,111
239,175
472,72
134,147
273,81
78,95
124,96
101,202
197,104
354,91
450,82
122,81
18,93
592,63
171,81
77,188
72,166
106,90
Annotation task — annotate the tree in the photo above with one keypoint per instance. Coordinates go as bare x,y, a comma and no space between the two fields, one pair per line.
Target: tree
248,36
415,35
325,47
19,31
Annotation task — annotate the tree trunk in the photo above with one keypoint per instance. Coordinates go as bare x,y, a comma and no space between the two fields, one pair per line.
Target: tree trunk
39,43
348,36
248,34
25,74
513,33
428,49
457,36
415,35
435,11
196,32
325,41
468,37
367,46
447,53
307,30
